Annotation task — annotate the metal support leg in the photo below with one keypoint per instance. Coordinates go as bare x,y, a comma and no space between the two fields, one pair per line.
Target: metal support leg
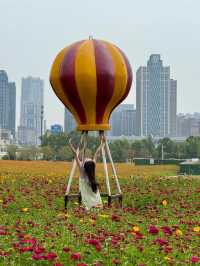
106,173
66,198
113,167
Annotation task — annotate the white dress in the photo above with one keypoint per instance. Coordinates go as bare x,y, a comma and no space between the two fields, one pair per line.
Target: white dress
89,198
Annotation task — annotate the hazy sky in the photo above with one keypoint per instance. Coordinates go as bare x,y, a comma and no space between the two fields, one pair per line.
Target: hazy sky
33,31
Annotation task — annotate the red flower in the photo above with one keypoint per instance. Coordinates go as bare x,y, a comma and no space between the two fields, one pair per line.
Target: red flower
95,243
97,264
3,233
98,247
167,249
195,259
76,256
138,236
25,249
115,261
153,230
167,230
4,254
81,264
115,218
161,242
50,256
66,249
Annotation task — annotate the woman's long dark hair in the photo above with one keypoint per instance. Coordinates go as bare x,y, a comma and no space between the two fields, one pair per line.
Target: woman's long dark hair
89,167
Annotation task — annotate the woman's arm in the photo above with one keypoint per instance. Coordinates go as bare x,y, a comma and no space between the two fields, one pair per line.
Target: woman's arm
75,153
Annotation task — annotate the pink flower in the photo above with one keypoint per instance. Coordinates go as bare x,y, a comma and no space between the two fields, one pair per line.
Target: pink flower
76,256
39,250
195,259
153,230
37,257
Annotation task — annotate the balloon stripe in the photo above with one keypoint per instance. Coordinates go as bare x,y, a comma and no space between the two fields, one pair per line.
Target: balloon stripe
129,78
120,78
67,78
85,69
56,84
105,79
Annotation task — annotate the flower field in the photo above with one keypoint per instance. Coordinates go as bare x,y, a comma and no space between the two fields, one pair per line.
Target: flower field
159,223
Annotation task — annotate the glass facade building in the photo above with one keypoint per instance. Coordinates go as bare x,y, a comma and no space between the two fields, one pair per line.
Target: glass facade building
7,103
31,112
69,121
122,121
155,99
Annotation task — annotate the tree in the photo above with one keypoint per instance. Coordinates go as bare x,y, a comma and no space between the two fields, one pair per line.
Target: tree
11,150
120,150
55,141
48,153
193,147
148,147
28,153
168,147
138,149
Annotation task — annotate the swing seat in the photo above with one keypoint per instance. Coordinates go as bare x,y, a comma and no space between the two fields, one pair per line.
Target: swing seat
109,195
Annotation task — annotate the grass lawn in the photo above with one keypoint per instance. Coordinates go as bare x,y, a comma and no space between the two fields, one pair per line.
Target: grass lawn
159,223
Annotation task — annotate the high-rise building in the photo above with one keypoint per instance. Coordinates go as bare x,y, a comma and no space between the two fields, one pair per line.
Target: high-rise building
155,107
188,125
173,108
69,122
7,103
123,120
31,113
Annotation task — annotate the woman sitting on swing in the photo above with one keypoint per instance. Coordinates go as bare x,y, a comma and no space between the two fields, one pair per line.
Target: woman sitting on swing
88,186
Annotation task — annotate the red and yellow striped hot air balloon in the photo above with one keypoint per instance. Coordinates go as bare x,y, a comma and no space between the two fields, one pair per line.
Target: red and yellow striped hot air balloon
91,77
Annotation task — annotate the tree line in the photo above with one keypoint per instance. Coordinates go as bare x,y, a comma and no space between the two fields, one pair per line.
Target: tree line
55,147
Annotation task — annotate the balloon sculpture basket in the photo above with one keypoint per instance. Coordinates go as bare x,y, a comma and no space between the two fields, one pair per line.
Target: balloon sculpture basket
105,153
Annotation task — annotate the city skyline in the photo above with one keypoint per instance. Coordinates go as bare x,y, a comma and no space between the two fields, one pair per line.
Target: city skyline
148,27
61,119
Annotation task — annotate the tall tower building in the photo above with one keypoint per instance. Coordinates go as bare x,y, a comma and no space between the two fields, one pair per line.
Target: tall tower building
69,122
173,108
155,105
12,107
141,101
31,113
123,120
7,103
